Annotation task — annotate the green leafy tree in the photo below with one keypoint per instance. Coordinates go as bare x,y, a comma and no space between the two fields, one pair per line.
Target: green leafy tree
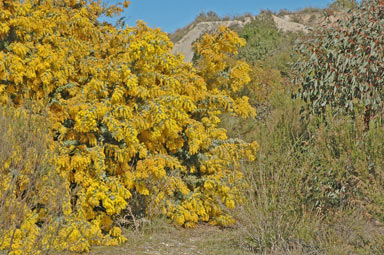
342,65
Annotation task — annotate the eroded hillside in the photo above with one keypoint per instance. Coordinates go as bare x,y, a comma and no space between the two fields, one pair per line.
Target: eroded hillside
300,21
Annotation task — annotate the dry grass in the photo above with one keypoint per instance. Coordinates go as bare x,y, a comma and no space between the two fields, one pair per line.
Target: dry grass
315,188
24,164
160,237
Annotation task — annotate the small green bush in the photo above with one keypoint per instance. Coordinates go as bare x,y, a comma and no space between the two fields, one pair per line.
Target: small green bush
262,39
266,45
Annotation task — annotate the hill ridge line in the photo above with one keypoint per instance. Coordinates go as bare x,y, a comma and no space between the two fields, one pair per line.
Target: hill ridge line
184,45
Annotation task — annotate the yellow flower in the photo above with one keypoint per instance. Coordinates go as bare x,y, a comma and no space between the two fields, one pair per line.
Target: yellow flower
124,116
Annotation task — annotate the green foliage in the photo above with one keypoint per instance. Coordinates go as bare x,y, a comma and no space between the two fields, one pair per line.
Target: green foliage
262,39
269,52
342,66
265,81
266,45
311,181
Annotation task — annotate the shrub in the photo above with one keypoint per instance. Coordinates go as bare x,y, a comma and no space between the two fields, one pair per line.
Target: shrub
128,117
341,66
264,82
262,39
32,192
266,46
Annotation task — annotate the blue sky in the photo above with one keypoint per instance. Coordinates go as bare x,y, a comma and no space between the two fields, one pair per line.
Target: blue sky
172,14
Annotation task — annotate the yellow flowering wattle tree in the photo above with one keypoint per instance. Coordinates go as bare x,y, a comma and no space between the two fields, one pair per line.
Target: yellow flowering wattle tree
127,117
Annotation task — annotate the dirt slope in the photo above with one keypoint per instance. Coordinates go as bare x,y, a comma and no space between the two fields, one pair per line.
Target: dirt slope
286,25
184,45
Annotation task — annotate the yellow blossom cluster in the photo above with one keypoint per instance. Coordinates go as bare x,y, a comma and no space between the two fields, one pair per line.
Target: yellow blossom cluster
126,116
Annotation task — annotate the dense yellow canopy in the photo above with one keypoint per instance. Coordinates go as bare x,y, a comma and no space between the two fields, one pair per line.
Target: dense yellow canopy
127,116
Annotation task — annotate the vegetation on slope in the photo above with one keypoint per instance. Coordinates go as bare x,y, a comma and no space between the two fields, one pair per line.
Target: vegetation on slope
315,185
202,17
